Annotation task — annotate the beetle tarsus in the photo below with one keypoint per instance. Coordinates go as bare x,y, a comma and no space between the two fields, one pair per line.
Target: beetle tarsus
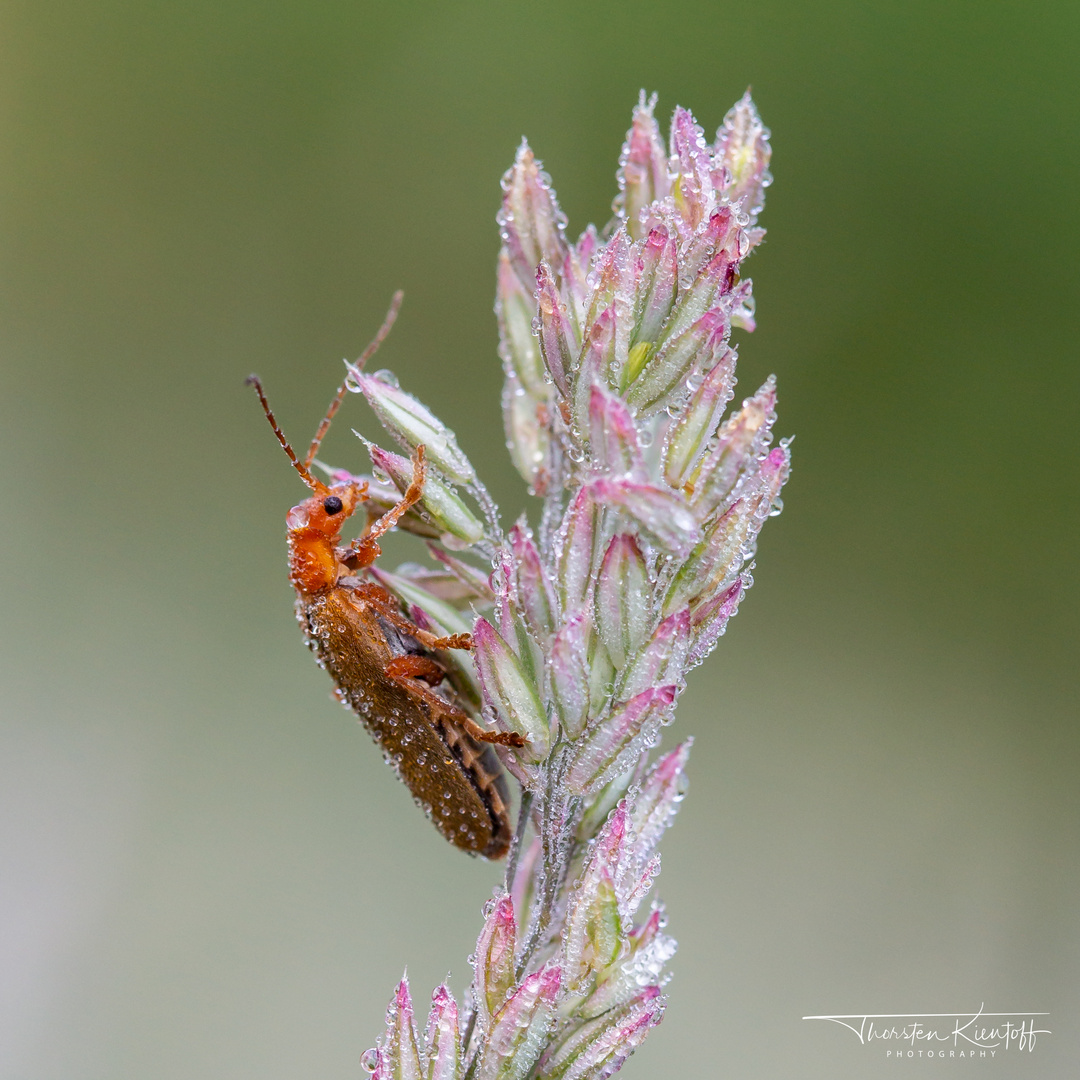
499,738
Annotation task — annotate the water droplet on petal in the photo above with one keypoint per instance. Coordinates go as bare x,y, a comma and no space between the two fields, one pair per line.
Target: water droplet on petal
385,375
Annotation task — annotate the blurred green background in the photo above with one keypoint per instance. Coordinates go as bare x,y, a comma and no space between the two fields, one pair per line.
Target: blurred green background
206,869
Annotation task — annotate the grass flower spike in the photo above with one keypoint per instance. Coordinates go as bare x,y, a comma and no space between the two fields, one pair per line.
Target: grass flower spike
619,366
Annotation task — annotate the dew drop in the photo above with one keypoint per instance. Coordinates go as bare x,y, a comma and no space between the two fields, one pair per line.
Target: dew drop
385,375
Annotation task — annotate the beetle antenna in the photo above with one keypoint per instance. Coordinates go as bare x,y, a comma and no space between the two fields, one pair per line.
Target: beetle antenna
300,467
365,356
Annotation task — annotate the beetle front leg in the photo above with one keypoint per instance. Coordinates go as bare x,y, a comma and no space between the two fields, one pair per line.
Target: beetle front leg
366,548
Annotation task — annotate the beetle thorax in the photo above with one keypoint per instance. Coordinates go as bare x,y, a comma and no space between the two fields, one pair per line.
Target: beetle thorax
313,536
313,564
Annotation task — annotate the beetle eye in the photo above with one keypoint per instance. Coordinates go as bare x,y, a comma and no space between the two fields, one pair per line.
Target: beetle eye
332,505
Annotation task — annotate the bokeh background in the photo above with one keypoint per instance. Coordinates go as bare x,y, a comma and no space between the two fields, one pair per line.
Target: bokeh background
206,869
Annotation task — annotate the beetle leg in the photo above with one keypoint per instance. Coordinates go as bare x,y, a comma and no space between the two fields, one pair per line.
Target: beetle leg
502,738
442,710
366,547
386,606
415,667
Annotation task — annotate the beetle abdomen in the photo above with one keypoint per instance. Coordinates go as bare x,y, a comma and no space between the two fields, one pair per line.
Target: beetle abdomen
457,781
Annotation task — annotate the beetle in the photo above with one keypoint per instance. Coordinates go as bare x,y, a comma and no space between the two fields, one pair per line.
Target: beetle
385,667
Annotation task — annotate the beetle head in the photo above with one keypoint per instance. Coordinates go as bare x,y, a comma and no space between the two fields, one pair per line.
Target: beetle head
315,524
327,510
